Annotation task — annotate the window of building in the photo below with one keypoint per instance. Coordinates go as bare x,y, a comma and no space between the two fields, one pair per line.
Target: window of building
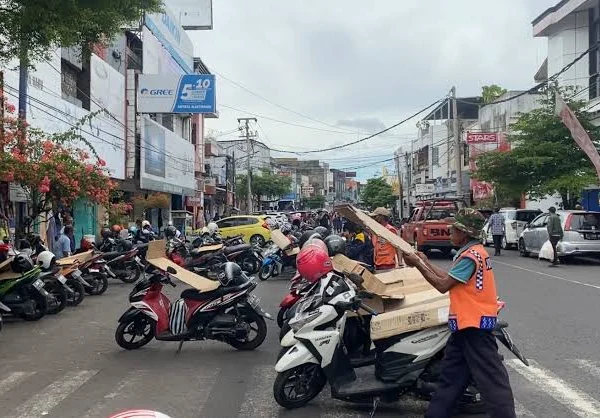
466,154
594,56
435,156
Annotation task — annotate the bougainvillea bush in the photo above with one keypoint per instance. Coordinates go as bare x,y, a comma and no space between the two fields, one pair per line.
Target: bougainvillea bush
53,169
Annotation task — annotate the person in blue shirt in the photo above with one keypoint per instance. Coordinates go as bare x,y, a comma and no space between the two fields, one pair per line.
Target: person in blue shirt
63,244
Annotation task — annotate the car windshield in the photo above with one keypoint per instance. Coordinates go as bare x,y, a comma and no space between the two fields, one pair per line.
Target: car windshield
585,221
526,216
439,214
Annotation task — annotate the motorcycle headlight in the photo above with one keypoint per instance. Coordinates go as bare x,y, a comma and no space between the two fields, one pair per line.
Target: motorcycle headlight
303,318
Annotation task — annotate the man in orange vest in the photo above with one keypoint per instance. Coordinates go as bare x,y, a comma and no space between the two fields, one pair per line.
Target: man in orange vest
384,253
471,352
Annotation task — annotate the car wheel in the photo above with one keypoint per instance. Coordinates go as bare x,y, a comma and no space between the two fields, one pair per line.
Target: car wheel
257,240
522,250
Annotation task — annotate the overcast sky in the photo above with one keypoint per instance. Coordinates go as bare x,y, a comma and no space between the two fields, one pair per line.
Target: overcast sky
355,67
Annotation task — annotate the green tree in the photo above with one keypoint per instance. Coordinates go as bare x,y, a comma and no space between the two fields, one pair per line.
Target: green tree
266,184
544,159
31,29
314,202
377,192
491,93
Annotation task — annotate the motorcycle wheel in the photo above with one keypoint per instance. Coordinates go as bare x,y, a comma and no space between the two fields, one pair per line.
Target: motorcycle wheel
281,317
133,276
296,387
265,272
41,306
140,325
58,292
250,264
99,284
257,324
78,292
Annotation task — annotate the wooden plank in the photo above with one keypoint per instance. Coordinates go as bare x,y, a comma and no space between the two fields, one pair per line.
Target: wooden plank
156,249
208,248
75,258
195,280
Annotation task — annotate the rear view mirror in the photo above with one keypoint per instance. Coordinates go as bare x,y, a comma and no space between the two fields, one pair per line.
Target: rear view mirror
171,270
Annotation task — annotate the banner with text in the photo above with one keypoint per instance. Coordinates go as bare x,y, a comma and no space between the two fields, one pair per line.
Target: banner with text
193,93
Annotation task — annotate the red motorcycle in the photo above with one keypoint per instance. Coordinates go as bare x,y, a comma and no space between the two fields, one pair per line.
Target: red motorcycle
298,288
229,313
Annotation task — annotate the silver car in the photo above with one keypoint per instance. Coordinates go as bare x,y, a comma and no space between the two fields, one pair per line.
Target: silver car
581,234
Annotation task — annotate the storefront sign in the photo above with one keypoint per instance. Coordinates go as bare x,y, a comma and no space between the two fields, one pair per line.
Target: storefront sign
194,93
481,138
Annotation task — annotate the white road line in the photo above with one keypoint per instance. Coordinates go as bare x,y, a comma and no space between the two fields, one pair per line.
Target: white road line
579,403
12,380
53,394
548,275
258,400
521,411
587,365
131,380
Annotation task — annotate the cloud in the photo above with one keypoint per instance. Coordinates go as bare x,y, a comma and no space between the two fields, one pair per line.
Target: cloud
363,64
371,124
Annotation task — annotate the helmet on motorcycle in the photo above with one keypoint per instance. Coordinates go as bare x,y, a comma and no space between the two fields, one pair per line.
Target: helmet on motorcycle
213,228
46,260
21,263
231,271
139,413
146,224
116,229
313,263
321,230
170,232
105,233
286,228
335,245
316,242
305,237
125,245
133,229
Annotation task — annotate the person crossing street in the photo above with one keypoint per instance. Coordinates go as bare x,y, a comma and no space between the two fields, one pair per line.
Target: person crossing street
497,227
555,233
471,352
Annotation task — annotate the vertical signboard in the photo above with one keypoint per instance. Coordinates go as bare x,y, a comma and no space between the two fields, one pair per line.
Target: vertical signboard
192,14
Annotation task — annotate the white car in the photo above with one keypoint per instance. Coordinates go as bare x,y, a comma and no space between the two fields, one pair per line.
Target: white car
515,221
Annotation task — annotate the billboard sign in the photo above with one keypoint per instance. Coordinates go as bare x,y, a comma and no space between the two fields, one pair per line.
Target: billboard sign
424,189
192,14
481,138
192,93
167,161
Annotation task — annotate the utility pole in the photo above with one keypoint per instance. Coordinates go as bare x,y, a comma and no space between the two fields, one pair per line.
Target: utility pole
400,185
249,136
457,144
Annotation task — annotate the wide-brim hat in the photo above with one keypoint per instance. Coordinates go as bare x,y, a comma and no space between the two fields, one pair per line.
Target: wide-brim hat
470,221
381,211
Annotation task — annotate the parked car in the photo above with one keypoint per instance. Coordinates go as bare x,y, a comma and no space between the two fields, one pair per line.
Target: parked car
515,222
581,234
254,228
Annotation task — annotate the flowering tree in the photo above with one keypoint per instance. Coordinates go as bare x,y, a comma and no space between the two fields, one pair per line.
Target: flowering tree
52,169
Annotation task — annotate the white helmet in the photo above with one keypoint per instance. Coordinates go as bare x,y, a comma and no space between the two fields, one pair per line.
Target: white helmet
46,260
204,230
145,223
213,228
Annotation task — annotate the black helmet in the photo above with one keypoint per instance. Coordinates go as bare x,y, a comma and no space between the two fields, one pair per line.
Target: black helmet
125,245
106,233
170,232
21,264
335,245
305,237
321,230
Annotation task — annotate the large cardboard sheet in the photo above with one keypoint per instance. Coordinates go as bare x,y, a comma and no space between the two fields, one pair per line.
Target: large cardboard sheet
371,283
282,242
76,258
195,280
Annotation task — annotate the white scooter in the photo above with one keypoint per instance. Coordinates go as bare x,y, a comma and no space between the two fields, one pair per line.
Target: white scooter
406,363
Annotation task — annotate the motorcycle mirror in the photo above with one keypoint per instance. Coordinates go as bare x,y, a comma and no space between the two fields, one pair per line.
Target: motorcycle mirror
171,270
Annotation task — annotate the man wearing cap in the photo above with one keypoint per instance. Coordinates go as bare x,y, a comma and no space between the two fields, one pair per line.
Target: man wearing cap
471,352
384,252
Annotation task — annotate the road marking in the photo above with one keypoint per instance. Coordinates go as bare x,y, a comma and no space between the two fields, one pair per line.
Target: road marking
588,366
53,394
12,380
521,411
123,387
580,403
548,275
258,400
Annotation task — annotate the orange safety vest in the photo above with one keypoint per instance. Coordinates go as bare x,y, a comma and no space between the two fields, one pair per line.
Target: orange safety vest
474,304
384,252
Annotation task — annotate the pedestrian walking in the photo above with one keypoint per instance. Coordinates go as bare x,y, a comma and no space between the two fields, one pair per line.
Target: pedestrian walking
63,244
497,225
471,351
555,233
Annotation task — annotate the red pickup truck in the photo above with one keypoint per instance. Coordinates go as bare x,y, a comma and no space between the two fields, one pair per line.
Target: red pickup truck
427,228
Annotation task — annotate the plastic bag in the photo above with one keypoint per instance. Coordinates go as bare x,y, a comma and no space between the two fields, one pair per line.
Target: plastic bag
546,253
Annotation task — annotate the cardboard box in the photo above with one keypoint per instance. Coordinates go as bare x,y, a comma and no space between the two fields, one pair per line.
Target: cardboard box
283,242
391,289
413,318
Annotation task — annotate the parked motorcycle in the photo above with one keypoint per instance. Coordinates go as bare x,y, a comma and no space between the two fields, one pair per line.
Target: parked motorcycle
126,266
275,260
405,363
230,313
93,276
4,310
298,288
25,295
248,256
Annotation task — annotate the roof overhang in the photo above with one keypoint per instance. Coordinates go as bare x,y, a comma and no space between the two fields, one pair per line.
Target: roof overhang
542,25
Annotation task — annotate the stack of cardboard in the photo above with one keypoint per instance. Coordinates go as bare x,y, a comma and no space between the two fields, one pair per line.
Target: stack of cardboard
404,299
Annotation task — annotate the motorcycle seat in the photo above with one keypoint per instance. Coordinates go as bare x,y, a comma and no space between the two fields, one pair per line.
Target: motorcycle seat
111,255
237,248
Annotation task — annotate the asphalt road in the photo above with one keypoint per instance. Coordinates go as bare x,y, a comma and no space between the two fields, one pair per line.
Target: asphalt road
68,365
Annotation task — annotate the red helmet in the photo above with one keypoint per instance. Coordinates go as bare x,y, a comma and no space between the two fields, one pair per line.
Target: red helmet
313,262
315,242
116,228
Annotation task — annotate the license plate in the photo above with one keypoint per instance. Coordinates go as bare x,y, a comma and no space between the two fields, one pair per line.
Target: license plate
62,279
138,259
94,271
76,274
38,284
253,300
592,236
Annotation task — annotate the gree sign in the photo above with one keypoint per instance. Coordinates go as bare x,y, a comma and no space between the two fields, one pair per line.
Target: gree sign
192,93
481,138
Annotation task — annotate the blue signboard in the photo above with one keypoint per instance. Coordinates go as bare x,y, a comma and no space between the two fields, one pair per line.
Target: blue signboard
192,93
196,94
